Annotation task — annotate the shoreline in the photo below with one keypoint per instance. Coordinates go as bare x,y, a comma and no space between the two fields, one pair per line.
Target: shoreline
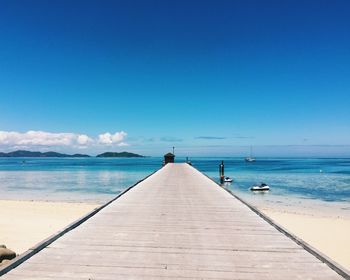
25,223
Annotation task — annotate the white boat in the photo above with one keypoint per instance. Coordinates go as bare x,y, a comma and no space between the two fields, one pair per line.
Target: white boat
250,158
261,187
228,180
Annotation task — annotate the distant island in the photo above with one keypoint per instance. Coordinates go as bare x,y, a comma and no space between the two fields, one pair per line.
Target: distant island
122,154
22,153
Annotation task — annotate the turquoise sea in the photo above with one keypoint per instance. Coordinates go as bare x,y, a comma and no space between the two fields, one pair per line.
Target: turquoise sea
100,179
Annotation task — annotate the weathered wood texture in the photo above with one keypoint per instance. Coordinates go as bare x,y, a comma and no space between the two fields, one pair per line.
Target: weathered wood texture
176,224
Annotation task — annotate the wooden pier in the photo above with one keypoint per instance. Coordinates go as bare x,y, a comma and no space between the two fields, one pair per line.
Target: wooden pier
176,224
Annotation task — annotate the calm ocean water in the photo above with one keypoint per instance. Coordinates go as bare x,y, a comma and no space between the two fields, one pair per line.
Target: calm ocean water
98,179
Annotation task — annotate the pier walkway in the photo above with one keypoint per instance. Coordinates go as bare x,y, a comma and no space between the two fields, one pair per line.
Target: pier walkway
176,224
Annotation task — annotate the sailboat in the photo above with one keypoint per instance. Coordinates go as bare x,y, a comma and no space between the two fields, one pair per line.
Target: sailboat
250,158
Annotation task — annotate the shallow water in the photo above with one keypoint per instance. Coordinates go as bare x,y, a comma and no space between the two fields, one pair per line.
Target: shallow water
322,179
71,179
100,179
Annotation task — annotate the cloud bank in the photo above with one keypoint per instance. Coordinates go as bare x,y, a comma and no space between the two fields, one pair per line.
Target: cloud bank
34,138
210,137
110,139
222,137
170,139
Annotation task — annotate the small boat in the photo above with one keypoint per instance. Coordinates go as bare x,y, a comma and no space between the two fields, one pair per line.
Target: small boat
261,187
228,180
250,158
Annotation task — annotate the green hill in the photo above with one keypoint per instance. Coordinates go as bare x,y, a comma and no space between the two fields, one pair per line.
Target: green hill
23,153
121,155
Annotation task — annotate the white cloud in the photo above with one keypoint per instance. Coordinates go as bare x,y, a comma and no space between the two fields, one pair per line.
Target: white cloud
42,139
84,139
123,144
105,138
116,138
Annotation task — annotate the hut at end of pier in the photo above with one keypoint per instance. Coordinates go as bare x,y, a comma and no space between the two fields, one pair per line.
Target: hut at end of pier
169,157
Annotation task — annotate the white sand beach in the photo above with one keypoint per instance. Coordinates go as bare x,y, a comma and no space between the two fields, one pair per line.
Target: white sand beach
323,225
23,224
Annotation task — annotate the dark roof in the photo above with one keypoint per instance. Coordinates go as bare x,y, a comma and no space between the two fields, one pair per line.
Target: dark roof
169,155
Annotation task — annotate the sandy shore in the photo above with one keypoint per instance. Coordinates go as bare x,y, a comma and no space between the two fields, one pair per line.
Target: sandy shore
23,224
324,226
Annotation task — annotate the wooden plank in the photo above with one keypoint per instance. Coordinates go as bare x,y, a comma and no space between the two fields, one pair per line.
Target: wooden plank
115,272
175,224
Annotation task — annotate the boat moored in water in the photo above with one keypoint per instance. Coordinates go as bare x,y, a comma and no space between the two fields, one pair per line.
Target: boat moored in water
228,180
261,187
249,159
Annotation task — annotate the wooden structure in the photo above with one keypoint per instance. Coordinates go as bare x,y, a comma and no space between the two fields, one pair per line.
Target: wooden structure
176,224
169,158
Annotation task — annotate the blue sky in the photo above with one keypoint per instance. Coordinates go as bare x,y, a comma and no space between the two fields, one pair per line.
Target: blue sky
209,77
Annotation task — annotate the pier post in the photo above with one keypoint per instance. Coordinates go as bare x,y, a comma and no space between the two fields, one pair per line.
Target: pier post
222,172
